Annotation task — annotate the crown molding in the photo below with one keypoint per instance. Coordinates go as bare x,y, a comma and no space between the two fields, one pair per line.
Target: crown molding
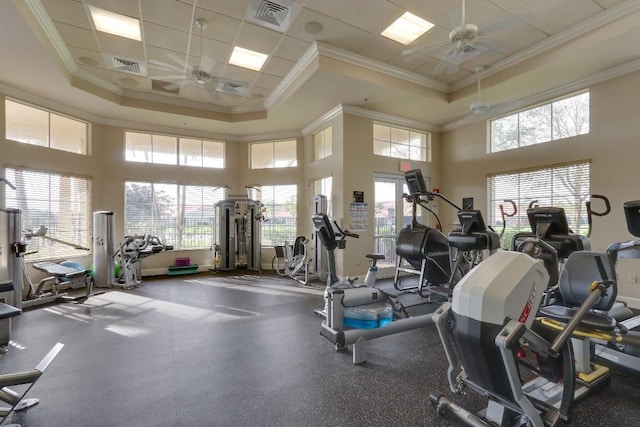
39,14
380,67
323,120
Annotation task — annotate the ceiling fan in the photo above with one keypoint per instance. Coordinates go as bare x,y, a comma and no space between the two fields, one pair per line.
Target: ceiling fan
465,42
196,74
479,106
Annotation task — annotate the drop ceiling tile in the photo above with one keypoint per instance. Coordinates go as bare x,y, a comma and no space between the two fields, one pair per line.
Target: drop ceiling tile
350,38
257,38
219,27
123,7
278,66
436,12
78,37
173,14
608,4
267,81
78,53
336,9
166,38
374,19
69,12
239,74
121,46
328,26
291,48
381,49
232,8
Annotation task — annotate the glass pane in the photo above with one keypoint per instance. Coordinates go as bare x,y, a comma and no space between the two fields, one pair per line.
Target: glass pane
26,124
280,202
138,208
190,152
285,154
381,133
571,116
262,155
68,134
385,219
138,147
400,151
504,133
212,154
535,125
400,136
318,146
165,149
381,148
328,141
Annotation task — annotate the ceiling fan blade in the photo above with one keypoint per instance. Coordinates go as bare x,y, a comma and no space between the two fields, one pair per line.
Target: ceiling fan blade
424,48
504,24
482,46
179,60
170,77
164,65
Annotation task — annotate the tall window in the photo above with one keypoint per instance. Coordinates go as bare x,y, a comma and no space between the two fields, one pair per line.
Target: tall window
556,120
36,126
173,150
323,143
323,187
273,154
281,203
56,212
565,186
409,144
180,215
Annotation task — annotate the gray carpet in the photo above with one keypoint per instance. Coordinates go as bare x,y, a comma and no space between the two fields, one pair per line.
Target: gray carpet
237,350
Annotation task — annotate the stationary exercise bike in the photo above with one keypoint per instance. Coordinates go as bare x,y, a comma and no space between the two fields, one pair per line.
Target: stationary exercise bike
354,315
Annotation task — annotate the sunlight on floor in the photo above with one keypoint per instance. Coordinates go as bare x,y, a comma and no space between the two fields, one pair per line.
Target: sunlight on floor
262,288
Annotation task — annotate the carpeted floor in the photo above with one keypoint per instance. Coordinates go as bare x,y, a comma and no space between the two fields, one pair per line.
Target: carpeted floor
237,350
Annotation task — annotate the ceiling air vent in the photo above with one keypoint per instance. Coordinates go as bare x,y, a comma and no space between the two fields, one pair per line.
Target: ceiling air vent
237,89
121,64
272,12
166,87
276,15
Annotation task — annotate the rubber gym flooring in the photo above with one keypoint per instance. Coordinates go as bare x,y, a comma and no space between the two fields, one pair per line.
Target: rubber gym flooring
238,350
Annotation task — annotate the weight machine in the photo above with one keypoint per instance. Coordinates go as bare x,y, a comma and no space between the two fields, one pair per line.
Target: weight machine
293,260
239,232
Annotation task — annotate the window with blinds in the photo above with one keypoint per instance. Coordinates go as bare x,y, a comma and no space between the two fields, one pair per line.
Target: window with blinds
555,120
173,150
323,187
35,126
273,154
281,204
179,215
563,186
401,143
323,143
56,213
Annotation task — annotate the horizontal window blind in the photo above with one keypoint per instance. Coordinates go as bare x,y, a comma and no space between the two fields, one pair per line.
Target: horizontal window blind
179,215
565,186
281,204
56,212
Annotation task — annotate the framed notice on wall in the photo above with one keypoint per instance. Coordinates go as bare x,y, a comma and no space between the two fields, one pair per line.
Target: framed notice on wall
358,213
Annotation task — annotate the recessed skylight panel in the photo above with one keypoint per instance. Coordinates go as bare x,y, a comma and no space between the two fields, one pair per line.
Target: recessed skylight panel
407,28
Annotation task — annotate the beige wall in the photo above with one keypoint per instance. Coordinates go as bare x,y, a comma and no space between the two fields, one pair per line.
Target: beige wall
611,145
459,167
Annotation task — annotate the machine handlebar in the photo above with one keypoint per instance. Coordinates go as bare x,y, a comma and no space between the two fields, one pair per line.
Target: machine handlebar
344,233
591,212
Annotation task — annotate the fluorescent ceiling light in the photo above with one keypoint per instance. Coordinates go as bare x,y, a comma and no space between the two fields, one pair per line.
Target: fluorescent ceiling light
407,28
116,24
247,58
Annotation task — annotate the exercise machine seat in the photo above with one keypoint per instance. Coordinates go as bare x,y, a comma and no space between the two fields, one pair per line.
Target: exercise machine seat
579,272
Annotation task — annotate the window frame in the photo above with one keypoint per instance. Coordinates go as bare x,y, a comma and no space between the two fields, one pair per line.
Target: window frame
551,123
274,156
178,151
83,144
425,149
321,147
267,239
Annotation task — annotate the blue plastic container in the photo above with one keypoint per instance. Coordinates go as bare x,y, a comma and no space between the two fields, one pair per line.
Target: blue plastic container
368,316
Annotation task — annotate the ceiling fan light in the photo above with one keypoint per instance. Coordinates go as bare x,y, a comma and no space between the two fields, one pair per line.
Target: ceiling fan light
407,28
116,24
479,107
